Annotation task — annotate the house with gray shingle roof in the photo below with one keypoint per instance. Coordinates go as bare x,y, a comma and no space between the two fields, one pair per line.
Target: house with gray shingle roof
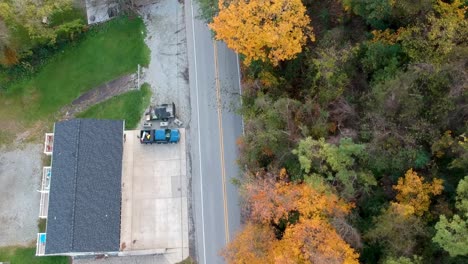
81,190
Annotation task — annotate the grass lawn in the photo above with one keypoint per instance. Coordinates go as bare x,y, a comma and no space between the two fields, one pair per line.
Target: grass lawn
104,53
20,255
129,106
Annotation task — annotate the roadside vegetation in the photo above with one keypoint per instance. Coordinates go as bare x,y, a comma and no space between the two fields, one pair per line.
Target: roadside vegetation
128,106
208,9
20,255
105,52
29,29
355,144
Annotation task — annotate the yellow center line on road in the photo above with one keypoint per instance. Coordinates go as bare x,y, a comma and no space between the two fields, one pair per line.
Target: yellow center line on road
221,141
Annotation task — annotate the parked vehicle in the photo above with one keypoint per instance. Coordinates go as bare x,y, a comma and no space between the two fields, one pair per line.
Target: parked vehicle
164,136
163,112
159,136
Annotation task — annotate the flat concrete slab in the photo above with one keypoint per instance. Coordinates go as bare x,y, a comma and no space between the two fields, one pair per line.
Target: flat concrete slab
98,11
154,200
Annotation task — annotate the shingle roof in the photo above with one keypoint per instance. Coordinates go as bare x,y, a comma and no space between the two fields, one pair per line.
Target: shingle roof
85,188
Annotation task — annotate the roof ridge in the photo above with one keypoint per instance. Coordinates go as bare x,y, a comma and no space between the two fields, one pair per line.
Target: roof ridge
77,142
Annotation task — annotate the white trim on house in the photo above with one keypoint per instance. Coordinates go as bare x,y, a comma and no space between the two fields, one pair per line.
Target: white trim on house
44,205
76,254
45,183
40,246
49,143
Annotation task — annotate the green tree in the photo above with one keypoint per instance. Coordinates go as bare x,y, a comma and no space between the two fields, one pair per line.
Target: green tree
33,25
398,231
271,128
375,12
434,38
461,161
338,164
382,61
408,111
382,14
403,260
329,75
33,15
462,196
456,150
208,9
452,235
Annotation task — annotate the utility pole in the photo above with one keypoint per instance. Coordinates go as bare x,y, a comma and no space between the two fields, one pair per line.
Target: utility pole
138,76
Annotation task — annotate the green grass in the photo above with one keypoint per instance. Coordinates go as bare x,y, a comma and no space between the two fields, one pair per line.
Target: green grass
128,106
65,16
105,53
20,255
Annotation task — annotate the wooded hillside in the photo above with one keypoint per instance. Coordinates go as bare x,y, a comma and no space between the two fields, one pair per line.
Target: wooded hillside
355,140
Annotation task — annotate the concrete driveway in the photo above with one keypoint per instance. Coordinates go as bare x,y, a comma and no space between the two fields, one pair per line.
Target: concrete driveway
154,198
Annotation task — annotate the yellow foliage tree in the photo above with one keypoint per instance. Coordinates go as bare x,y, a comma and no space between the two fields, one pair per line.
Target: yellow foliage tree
313,241
252,245
267,30
414,192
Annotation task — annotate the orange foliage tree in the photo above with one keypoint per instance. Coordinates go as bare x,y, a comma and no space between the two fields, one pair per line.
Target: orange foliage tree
305,214
272,201
267,30
251,246
313,241
414,192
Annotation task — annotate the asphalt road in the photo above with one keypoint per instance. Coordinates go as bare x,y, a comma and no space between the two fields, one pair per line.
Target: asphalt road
214,129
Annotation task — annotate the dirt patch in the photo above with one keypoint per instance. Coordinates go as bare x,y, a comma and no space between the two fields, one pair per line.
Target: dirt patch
20,172
99,94
15,132
8,132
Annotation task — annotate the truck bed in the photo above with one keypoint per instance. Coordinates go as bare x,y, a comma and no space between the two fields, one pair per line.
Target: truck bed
147,136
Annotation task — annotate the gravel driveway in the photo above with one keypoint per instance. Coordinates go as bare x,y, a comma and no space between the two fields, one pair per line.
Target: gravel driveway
167,72
20,175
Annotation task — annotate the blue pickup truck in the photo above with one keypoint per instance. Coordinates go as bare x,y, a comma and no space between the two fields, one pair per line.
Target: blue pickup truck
159,136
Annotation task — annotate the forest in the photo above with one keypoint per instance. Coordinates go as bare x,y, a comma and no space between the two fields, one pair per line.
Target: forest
356,122
355,147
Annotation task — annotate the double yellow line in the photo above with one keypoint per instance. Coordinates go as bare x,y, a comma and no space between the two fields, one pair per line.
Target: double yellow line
221,140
